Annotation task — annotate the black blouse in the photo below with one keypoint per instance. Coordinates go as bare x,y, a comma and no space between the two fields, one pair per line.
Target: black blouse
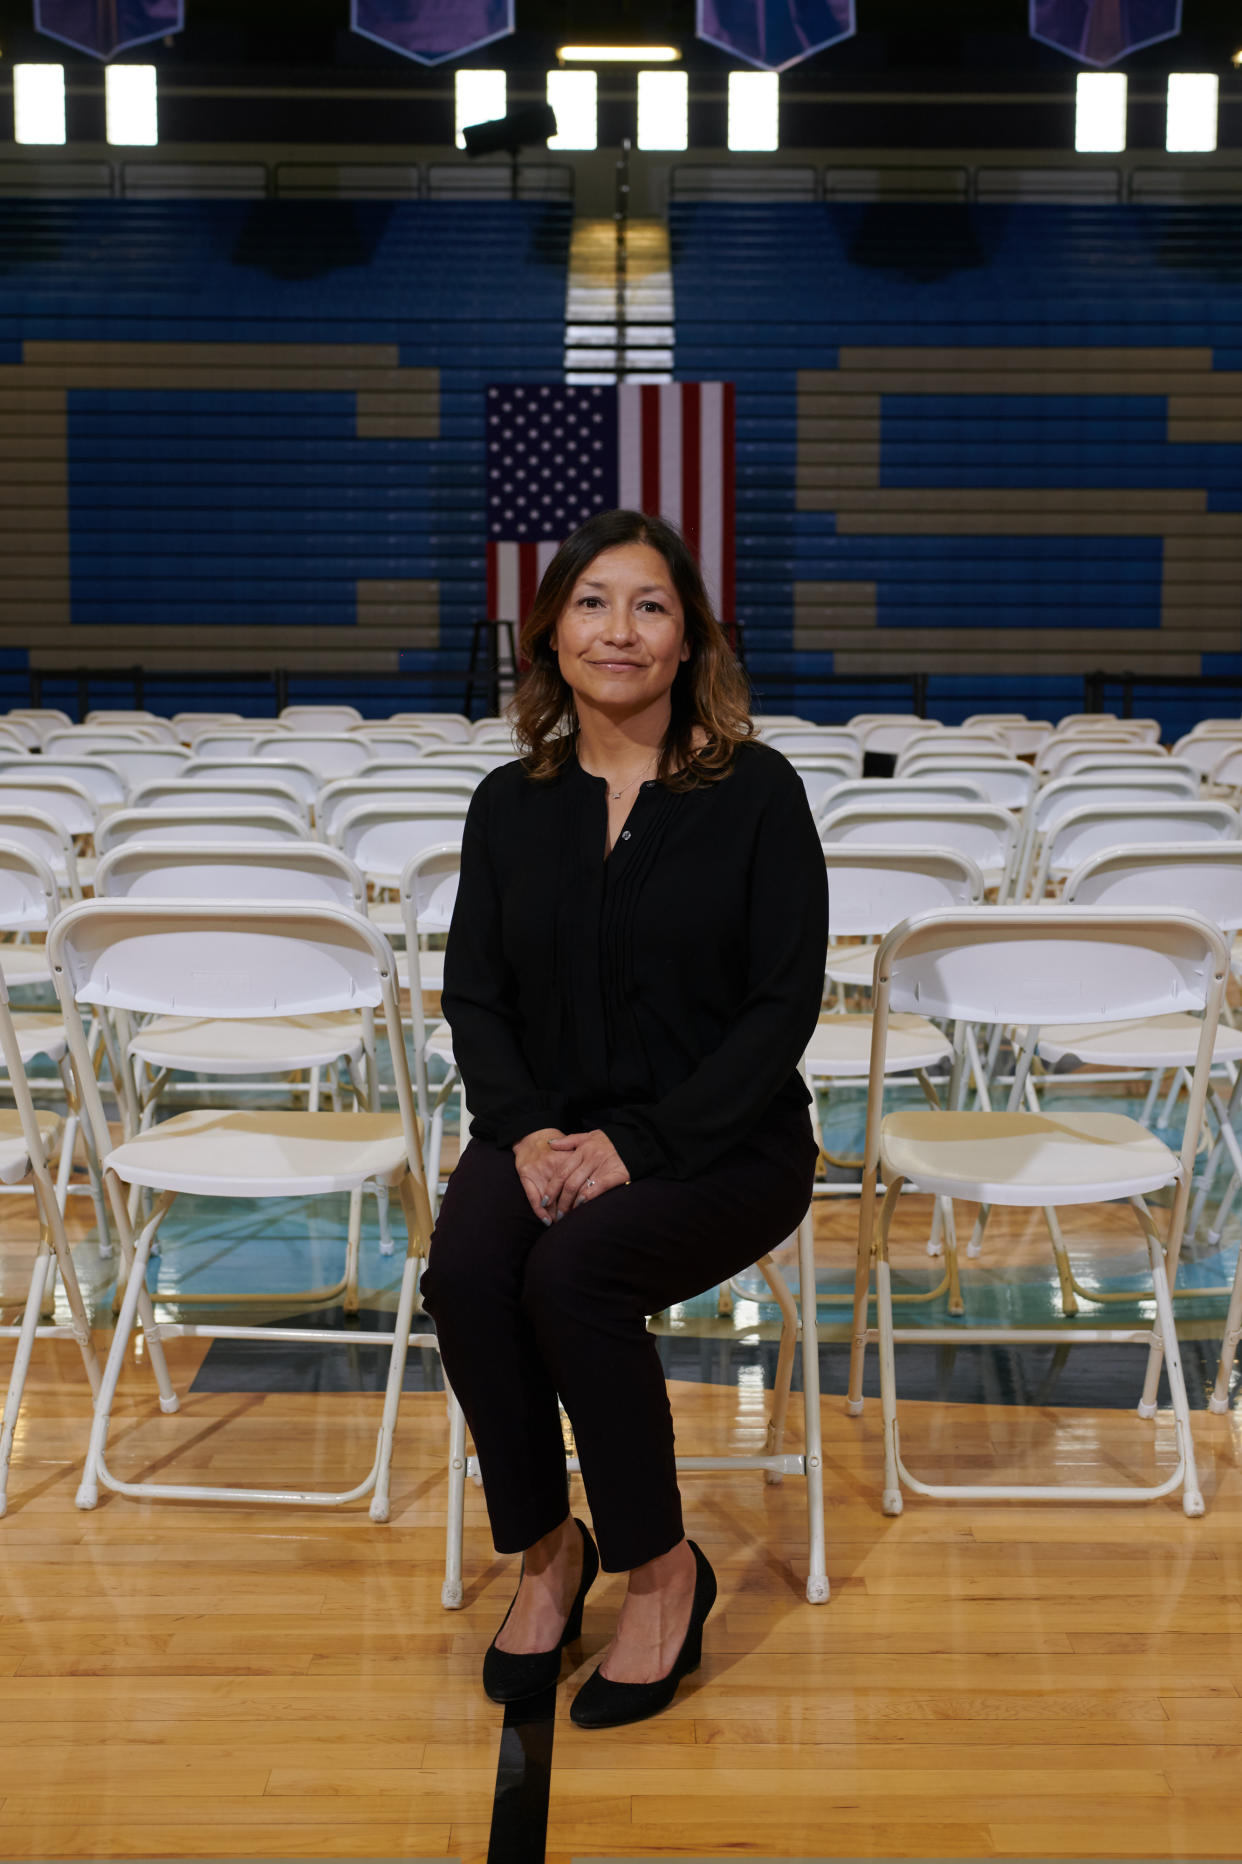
664,993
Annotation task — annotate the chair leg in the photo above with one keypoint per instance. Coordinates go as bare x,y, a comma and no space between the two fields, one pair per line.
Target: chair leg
817,1565
139,1253
40,1279
387,1246
353,1241
1065,1272
396,1378
1219,1401
862,1289
956,1303
775,1438
1192,1497
451,1590
892,1499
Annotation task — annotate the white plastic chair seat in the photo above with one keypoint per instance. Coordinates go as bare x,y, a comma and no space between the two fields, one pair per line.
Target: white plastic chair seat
241,1154
254,1045
1028,1159
430,970
851,964
14,1158
39,1033
441,1045
1148,1041
841,1045
25,964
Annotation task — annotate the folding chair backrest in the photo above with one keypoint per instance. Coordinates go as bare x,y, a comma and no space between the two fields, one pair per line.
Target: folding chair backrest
429,889
295,870
91,772
1141,760
450,726
948,743
332,754
987,719
15,741
394,744
1054,751
1056,800
117,715
1227,771
1052,964
45,837
207,825
70,803
29,896
821,775
32,727
1204,879
382,837
297,778
981,830
320,718
1086,832
495,734
467,758
889,792
1202,753
889,732
1027,740
141,763
189,725
197,793
427,788
77,740
239,740
871,889
794,743
1003,780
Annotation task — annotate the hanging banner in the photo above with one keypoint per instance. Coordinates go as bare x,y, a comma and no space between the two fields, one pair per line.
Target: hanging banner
774,34
105,27
432,30
1099,32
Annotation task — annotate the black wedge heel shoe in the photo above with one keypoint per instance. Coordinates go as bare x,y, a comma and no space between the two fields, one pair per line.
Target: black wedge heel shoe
604,1704
508,1676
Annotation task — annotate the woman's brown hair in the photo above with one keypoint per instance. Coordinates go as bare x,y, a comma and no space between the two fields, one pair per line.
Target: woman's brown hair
710,696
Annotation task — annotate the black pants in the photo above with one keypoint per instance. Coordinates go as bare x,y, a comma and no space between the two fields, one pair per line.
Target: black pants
525,1313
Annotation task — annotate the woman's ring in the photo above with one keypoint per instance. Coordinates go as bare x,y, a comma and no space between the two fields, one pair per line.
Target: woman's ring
590,1184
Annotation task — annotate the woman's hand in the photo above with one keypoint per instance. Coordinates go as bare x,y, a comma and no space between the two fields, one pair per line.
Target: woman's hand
541,1170
594,1166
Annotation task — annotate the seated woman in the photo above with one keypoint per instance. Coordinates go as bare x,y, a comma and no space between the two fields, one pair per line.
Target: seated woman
635,966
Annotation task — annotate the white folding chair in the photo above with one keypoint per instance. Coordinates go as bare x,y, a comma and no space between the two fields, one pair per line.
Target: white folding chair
889,732
139,764
950,742
821,740
240,740
1147,729
42,835
1137,759
1083,832
41,720
428,895
988,835
91,772
1055,750
298,779
395,744
1003,780
1029,967
258,1054
204,826
821,773
427,787
1204,750
239,960
189,726
66,801
1027,740
1226,772
77,740
257,791
315,719
495,734
448,726
15,742
889,792
479,759
331,754
985,720
1106,789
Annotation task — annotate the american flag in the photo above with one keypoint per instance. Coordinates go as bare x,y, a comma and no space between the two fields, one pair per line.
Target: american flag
557,454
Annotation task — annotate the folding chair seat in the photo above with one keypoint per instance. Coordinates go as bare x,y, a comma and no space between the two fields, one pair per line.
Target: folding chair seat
1030,967
237,961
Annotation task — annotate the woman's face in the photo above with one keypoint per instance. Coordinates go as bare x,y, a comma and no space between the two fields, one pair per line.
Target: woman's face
621,636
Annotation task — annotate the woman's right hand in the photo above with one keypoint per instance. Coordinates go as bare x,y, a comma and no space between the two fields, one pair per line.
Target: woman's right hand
542,1170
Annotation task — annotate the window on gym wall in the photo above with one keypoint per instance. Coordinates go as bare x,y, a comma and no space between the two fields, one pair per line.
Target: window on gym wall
480,98
754,110
663,110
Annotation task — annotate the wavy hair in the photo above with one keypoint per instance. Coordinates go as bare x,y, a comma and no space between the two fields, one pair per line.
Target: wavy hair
710,696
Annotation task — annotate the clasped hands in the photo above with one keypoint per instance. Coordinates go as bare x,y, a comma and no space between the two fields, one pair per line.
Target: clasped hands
560,1170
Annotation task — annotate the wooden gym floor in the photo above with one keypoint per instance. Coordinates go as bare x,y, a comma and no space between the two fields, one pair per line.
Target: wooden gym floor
190,1680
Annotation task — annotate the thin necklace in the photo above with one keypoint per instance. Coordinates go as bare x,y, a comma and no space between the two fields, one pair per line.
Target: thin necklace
616,794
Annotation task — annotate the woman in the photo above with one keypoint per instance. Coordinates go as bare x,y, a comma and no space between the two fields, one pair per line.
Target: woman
634,968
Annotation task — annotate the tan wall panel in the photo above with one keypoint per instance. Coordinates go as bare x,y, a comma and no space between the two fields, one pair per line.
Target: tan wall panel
94,352
969,359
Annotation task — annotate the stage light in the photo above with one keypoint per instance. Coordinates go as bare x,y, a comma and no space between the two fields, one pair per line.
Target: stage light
754,110
618,54
480,97
131,113
1237,57
663,110
38,103
1100,113
1190,126
573,95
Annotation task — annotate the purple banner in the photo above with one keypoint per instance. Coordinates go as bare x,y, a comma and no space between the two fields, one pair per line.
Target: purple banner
432,30
104,27
774,33
1099,32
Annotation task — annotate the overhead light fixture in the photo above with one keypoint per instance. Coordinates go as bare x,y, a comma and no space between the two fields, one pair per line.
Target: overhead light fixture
1100,114
1190,126
131,106
619,54
38,103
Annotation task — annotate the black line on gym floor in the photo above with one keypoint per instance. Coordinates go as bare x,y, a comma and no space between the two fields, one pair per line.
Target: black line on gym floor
519,1833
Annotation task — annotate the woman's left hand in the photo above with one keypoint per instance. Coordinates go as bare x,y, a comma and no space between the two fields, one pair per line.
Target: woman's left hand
596,1168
